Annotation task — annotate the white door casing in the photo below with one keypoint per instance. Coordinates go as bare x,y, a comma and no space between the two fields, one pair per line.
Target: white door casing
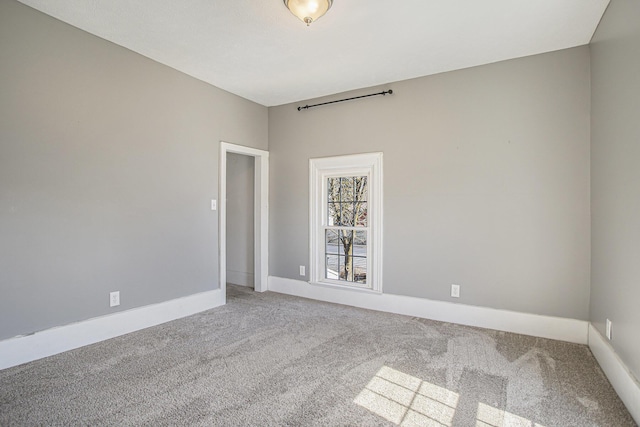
261,214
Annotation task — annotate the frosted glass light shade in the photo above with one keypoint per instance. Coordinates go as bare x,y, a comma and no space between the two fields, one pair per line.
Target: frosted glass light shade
308,10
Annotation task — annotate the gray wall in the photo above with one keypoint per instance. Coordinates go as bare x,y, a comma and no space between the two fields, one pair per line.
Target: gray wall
615,178
108,162
486,182
240,216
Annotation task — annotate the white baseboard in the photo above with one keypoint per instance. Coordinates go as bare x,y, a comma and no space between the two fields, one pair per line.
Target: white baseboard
622,380
557,328
22,349
240,278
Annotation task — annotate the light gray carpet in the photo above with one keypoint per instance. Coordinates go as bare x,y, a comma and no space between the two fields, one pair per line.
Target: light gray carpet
270,359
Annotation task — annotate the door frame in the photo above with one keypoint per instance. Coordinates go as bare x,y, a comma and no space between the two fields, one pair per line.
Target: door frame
260,215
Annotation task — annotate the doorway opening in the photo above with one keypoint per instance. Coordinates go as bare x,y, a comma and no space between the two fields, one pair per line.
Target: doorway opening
240,219
256,243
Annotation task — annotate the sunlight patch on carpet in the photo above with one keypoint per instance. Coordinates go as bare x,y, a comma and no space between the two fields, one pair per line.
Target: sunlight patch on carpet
408,401
488,416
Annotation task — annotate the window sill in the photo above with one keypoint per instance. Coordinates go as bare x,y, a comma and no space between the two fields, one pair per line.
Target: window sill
346,287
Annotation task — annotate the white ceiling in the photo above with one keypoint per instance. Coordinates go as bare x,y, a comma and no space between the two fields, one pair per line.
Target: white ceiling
257,49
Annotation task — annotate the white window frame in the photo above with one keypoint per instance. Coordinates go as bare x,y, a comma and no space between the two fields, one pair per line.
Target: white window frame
369,164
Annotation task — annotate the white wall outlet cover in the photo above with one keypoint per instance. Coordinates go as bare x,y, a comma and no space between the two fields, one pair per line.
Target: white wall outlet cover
114,299
455,291
302,270
608,329
214,204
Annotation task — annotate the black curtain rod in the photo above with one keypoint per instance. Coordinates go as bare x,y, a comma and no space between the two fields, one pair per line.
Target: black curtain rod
306,107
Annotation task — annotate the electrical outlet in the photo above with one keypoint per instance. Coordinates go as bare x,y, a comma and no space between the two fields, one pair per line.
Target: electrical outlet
214,204
608,329
114,299
302,270
455,291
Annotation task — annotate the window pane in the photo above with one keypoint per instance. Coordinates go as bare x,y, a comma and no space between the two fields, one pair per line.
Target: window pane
361,188
333,189
346,261
346,214
360,257
360,243
361,214
332,242
332,268
333,214
360,269
346,240
347,190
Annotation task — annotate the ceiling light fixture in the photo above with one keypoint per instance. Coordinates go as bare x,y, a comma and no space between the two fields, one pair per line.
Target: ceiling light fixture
308,11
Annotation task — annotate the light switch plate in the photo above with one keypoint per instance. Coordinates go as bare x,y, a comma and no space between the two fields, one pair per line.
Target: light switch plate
214,204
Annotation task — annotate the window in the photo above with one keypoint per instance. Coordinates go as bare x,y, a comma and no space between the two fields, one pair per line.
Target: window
346,221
